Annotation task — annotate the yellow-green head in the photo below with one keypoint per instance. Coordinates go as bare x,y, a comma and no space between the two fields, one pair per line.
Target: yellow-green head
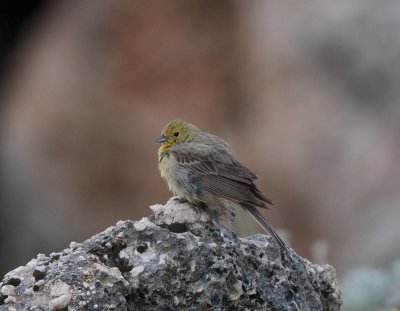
176,131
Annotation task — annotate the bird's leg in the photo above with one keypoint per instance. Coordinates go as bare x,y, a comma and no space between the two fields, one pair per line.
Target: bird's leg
199,206
180,200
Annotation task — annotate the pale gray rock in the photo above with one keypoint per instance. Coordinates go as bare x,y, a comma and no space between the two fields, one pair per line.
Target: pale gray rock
176,260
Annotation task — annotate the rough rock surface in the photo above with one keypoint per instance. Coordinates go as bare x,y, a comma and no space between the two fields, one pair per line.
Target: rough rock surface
176,260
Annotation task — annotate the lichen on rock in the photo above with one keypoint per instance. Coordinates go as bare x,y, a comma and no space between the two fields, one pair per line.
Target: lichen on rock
178,259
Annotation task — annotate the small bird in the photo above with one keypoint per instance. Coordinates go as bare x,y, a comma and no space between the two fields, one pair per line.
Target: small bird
200,168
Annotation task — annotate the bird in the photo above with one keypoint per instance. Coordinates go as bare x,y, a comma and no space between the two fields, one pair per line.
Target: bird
201,169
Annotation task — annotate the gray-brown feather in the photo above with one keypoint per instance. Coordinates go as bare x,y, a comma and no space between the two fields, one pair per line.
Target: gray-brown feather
211,162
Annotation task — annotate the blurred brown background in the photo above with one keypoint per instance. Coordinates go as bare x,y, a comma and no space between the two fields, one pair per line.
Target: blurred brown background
306,94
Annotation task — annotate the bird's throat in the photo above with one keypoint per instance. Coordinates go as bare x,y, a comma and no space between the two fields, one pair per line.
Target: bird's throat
163,148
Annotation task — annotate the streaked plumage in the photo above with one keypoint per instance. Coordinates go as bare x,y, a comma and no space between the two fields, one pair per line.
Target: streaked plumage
201,168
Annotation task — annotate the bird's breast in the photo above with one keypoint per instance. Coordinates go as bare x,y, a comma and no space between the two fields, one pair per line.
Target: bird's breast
176,176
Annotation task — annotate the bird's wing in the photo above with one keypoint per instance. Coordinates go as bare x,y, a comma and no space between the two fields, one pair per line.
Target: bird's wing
221,174
201,160
242,193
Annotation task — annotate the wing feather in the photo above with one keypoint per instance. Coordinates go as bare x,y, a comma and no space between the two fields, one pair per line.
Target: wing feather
213,163
225,187
221,174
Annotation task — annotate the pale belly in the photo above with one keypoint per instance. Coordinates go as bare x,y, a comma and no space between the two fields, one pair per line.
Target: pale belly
179,180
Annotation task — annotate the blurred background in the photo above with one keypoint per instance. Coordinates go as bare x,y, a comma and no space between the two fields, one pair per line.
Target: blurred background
306,93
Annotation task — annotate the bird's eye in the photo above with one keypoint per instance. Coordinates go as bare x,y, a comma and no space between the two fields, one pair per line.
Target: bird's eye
176,134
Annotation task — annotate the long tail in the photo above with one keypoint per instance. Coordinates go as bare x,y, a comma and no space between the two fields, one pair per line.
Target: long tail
265,225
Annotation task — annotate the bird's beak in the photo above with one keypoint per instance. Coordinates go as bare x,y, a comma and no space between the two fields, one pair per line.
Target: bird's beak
162,139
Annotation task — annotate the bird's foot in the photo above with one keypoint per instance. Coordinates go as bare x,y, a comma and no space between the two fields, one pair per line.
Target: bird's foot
180,200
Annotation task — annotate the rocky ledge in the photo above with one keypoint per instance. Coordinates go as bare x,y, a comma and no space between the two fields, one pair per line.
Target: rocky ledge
175,260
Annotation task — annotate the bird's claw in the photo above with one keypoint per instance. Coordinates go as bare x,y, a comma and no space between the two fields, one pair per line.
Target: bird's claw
180,200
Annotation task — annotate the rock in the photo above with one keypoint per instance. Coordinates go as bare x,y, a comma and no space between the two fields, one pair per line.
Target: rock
176,260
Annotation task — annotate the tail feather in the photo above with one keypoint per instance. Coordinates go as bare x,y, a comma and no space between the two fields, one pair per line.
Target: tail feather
265,225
